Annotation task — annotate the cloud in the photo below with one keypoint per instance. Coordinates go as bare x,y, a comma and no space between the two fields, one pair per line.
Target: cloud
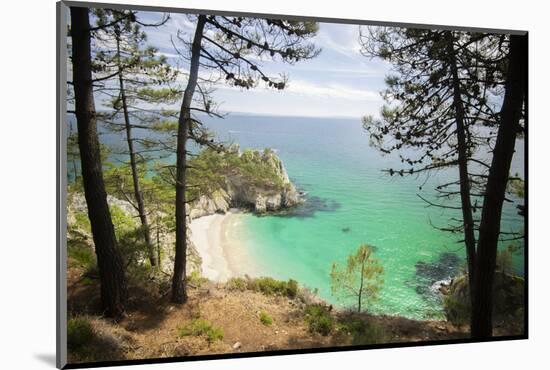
331,90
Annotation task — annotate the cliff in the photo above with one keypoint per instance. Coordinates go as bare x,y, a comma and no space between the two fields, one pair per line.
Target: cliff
253,180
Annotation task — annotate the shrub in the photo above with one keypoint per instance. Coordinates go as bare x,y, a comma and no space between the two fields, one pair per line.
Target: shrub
79,333
265,318
362,331
456,311
214,334
270,286
292,288
81,253
319,319
239,284
195,279
82,221
201,328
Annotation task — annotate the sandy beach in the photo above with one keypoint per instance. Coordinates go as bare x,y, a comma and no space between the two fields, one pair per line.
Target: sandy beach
222,254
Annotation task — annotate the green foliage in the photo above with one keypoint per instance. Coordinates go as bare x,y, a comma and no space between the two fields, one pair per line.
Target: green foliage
457,311
208,170
79,333
237,283
516,186
319,319
81,253
122,221
270,286
195,279
292,288
264,285
360,277
505,256
265,318
82,221
160,95
362,331
201,328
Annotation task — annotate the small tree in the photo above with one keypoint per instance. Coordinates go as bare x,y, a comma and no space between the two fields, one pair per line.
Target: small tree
359,278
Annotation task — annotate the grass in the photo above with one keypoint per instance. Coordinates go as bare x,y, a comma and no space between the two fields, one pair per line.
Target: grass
201,328
265,318
79,333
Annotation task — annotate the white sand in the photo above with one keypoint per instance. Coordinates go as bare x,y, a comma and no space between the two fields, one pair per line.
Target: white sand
222,256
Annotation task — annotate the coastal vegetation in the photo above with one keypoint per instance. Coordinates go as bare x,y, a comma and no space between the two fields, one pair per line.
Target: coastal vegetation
438,102
359,278
136,278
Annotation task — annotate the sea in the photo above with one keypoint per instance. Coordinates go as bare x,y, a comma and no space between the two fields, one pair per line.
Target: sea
349,201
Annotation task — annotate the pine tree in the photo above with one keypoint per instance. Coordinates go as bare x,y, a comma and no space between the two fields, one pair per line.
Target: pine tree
442,104
109,260
225,46
128,68
511,115
359,278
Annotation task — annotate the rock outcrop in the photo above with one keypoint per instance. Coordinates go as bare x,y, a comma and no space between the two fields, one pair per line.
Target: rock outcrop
508,298
240,191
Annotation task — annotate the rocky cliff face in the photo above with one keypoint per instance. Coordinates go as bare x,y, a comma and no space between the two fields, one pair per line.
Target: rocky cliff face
240,191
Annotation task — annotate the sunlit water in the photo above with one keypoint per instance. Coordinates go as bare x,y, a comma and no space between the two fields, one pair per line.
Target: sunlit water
349,201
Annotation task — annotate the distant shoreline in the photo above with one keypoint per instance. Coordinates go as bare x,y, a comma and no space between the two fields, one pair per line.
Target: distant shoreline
222,256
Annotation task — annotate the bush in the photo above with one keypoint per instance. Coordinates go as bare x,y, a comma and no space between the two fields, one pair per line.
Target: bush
79,333
265,318
457,312
292,288
239,284
201,328
81,253
362,331
214,334
270,286
195,279
82,221
319,319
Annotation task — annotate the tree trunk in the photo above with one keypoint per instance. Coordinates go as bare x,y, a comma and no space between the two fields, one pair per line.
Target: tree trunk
133,164
179,293
109,260
361,284
465,199
489,229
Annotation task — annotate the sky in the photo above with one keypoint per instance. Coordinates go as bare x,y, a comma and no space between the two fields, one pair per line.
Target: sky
339,82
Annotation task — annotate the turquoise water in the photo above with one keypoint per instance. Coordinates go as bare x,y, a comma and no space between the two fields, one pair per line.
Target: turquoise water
350,201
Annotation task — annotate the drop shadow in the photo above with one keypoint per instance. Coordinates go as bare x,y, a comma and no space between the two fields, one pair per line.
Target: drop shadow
46,358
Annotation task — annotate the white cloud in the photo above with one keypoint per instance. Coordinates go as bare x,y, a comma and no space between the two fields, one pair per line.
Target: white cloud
331,90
